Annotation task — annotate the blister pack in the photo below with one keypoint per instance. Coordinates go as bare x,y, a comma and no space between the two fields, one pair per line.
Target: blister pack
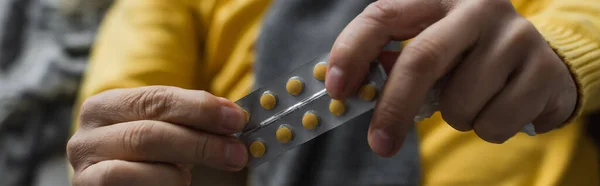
295,108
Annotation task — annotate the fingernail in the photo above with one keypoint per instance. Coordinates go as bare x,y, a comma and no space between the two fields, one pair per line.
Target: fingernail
233,118
236,155
335,80
382,142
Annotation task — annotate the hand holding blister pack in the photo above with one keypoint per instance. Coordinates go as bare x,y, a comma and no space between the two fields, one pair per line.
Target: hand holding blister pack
295,108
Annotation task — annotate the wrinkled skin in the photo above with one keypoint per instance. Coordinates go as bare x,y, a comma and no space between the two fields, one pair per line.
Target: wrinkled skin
502,73
153,135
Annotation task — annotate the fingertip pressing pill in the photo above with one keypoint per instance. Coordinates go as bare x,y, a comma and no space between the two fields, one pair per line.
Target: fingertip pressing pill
268,101
284,134
320,71
367,92
310,120
257,149
294,86
337,107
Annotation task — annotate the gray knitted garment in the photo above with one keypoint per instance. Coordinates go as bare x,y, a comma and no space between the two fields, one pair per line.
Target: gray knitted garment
294,32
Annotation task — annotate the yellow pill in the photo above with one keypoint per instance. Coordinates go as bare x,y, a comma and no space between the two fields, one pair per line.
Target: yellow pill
337,107
294,86
284,134
246,116
320,71
310,120
257,149
268,101
367,92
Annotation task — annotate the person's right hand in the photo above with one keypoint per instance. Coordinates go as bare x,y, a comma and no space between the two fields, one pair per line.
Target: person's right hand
152,135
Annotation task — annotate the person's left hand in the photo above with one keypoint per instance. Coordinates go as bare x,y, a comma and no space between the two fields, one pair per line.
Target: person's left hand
504,75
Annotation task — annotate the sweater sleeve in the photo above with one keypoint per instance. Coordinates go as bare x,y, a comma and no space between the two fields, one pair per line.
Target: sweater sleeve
572,28
141,43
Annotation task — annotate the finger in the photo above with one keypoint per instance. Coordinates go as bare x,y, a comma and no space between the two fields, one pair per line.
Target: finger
522,100
116,173
483,73
364,38
157,141
191,108
422,62
561,104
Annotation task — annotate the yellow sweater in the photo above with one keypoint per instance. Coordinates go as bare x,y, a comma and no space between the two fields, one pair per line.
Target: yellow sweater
208,44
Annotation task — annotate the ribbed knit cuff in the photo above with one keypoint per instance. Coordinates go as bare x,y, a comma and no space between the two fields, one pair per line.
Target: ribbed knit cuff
581,53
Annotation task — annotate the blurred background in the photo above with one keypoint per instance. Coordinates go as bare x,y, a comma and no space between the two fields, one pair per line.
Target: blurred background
44,47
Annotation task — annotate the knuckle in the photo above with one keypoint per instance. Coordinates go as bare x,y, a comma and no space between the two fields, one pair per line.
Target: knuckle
204,94
546,79
424,55
206,98
342,47
546,67
137,138
100,108
520,30
201,151
566,103
533,92
79,151
381,11
456,115
76,150
90,109
389,114
208,105
152,102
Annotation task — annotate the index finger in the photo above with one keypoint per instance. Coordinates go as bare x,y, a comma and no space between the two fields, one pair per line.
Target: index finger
191,108
364,38
422,62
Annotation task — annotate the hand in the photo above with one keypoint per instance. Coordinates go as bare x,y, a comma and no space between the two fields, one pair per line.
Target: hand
503,74
153,135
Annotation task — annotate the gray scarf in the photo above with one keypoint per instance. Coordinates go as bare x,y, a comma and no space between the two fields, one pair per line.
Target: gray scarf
294,32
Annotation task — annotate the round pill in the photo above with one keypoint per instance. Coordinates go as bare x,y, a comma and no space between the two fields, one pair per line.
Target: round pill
310,120
268,101
246,116
294,86
320,71
337,107
257,149
367,92
284,134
